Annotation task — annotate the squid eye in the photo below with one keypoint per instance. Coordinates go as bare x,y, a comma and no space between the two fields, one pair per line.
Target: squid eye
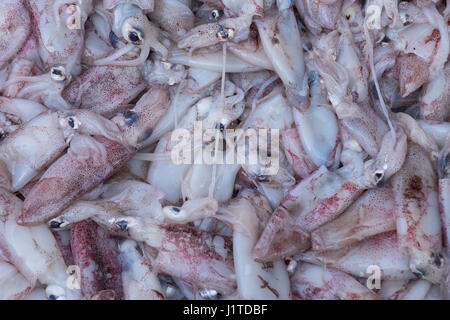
58,73
130,117
438,260
73,122
134,35
419,273
220,126
54,224
70,122
57,223
122,224
386,39
216,14
406,19
378,178
225,34
53,297
262,178
176,209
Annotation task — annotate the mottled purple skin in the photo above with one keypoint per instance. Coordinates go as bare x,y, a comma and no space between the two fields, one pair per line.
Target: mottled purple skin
95,252
15,26
64,246
198,257
371,214
302,165
412,73
333,285
105,89
287,231
280,238
68,179
68,43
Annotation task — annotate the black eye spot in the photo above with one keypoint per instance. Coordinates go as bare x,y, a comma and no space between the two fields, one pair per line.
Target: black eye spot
378,178
216,14
262,178
224,34
52,297
438,259
308,46
176,209
56,72
122,225
419,273
71,123
130,117
133,36
220,126
54,224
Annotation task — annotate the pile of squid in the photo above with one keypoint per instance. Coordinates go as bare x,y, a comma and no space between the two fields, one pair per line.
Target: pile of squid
93,207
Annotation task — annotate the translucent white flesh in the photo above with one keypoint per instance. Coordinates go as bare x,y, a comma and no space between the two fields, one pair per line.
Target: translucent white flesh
318,130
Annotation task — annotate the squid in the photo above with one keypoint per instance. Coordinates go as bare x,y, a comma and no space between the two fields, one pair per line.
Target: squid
88,162
140,281
174,16
371,214
95,252
255,280
314,201
60,33
132,25
283,45
312,282
231,21
198,257
381,250
15,17
33,251
106,90
417,215
23,152
14,285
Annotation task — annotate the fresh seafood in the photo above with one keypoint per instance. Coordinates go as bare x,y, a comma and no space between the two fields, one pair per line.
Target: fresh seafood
224,149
